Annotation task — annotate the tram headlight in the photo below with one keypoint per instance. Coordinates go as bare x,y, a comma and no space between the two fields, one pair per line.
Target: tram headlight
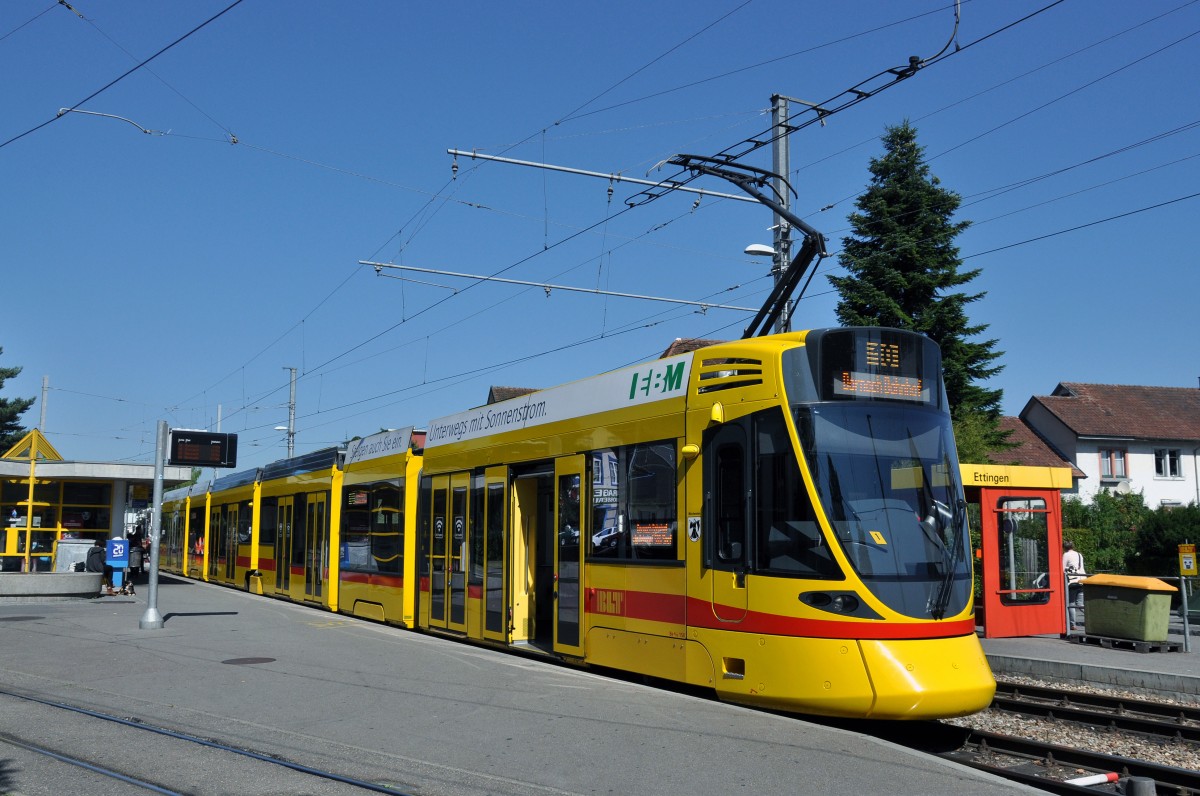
838,602
845,603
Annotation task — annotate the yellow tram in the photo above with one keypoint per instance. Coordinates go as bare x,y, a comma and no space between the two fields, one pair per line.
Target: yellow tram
780,519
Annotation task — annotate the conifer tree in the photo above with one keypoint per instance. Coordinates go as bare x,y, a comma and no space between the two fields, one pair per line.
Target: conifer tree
903,271
11,410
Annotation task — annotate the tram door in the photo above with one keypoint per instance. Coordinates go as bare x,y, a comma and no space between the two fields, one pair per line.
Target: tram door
727,519
568,562
212,545
458,553
316,557
531,557
198,541
229,542
283,545
448,547
1022,578
495,507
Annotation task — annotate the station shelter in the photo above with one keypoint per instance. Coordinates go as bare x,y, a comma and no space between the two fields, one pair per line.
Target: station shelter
1019,558
45,499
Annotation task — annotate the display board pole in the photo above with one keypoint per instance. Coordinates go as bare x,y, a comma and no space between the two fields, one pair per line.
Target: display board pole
152,619
1187,631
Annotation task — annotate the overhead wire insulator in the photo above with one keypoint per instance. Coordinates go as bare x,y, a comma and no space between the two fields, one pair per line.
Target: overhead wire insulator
454,168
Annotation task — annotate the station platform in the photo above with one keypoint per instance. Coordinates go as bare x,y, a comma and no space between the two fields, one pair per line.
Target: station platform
426,714
1166,670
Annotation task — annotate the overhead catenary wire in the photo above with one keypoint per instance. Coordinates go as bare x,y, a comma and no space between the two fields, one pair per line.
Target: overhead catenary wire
127,73
319,367
704,305
427,206
992,88
818,112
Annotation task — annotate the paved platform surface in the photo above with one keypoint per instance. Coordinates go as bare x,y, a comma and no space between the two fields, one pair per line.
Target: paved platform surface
1167,673
428,715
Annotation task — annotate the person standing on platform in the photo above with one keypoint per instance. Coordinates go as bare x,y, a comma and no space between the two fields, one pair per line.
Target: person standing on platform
136,562
1074,572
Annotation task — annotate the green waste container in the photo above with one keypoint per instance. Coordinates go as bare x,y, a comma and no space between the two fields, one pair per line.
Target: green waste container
1124,606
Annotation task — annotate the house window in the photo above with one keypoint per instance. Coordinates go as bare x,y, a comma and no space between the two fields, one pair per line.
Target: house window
1112,463
1166,463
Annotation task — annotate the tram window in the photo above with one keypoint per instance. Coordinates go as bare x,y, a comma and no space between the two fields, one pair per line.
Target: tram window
245,523
635,517
386,529
373,528
475,556
424,498
789,538
605,505
267,520
494,578
355,553
299,531
727,456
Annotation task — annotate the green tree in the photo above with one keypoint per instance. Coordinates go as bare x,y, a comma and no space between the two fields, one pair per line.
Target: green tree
1159,536
903,270
11,410
1105,531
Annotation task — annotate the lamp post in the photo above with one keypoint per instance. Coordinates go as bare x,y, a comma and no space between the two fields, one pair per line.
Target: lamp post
778,263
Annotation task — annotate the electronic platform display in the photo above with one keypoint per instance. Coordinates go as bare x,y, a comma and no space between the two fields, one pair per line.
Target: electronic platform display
190,448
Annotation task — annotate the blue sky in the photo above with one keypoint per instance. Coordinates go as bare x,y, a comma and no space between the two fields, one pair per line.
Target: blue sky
177,274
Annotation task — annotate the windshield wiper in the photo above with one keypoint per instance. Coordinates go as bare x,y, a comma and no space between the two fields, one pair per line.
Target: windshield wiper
946,587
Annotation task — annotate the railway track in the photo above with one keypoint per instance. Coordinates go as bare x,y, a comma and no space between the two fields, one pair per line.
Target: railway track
1049,766
1156,719
1063,713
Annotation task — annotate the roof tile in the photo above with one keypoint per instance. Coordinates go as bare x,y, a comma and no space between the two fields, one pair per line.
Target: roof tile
1116,410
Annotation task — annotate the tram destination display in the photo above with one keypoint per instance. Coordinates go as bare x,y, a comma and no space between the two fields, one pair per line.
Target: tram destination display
876,364
202,449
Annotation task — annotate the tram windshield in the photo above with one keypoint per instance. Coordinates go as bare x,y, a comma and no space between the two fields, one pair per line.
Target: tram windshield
888,480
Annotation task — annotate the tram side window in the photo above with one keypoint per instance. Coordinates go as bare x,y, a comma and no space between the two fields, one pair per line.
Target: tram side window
267,521
476,555
299,531
387,527
634,509
355,555
789,537
196,526
245,520
373,528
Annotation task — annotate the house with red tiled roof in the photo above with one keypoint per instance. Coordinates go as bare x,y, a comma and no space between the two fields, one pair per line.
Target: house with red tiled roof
1124,438
684,345
497,394
1031,450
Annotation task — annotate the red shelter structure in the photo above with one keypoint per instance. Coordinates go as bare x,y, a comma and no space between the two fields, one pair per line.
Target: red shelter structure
1020,555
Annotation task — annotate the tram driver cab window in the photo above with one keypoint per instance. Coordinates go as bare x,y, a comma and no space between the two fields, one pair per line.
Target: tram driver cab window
756,503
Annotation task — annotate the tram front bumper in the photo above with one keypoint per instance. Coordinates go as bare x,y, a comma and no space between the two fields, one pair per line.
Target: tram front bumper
928,678
854,678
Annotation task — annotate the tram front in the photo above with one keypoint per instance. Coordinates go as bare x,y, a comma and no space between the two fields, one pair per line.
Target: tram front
877,443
